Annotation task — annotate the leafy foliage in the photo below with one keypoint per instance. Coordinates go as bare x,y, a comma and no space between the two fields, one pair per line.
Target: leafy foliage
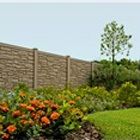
128,95
26,113
125,71
114,41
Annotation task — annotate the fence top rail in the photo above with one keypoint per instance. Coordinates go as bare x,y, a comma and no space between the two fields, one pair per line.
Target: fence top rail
15,46
18,47
51,54
80,60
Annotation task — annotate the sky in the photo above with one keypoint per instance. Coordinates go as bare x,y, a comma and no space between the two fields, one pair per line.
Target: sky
67,28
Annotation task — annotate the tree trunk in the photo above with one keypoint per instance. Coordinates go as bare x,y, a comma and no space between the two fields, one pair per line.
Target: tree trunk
113,64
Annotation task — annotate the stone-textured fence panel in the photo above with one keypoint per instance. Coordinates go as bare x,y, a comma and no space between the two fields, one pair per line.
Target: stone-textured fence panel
80,72
40,69
16,65
51,70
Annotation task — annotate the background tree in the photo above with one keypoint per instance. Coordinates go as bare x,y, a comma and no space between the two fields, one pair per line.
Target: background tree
114,41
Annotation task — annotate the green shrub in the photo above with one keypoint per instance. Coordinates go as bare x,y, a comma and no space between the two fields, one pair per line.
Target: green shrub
96,99
103,75
128,72
128,95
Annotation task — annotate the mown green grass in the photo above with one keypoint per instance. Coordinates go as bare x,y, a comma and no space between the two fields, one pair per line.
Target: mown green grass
118,125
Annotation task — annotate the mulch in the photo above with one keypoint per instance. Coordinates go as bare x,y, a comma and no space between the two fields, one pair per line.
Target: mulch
86,132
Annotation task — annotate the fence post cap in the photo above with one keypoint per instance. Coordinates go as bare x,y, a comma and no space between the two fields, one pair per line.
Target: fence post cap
68,56
35,48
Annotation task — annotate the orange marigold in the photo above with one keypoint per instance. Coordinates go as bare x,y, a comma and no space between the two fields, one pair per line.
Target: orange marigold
23,116
16,113
45,120
49,102
30,108
54,116
11,128
4,108
40,112
36,117
24,122
31,122
54,106
33,114
35,103
5,136
41,106
72,102
23,105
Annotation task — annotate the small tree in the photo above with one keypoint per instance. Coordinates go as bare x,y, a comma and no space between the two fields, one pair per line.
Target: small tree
114,41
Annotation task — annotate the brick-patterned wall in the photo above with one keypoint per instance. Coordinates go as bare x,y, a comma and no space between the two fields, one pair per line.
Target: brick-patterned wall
40,69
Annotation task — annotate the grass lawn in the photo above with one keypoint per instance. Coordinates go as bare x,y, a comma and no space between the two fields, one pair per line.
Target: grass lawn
118,125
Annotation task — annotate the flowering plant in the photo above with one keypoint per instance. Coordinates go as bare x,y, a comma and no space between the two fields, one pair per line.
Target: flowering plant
28,113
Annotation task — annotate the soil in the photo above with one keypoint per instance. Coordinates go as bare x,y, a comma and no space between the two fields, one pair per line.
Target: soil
87,132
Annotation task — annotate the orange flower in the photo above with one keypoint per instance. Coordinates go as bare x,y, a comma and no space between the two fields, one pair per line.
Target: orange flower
31,122
23,105
35,103
4,108
48,102
36,117
33,114
45,120
72,102
30,108
5,136
54,116
41,106
40,112
24,122
16,113
54,106
23,116
11,128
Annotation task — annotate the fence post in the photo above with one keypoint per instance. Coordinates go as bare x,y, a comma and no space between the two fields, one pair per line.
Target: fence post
68,72
35,67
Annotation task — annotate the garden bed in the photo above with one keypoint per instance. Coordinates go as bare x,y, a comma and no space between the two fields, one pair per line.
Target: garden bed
86,132
58,114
